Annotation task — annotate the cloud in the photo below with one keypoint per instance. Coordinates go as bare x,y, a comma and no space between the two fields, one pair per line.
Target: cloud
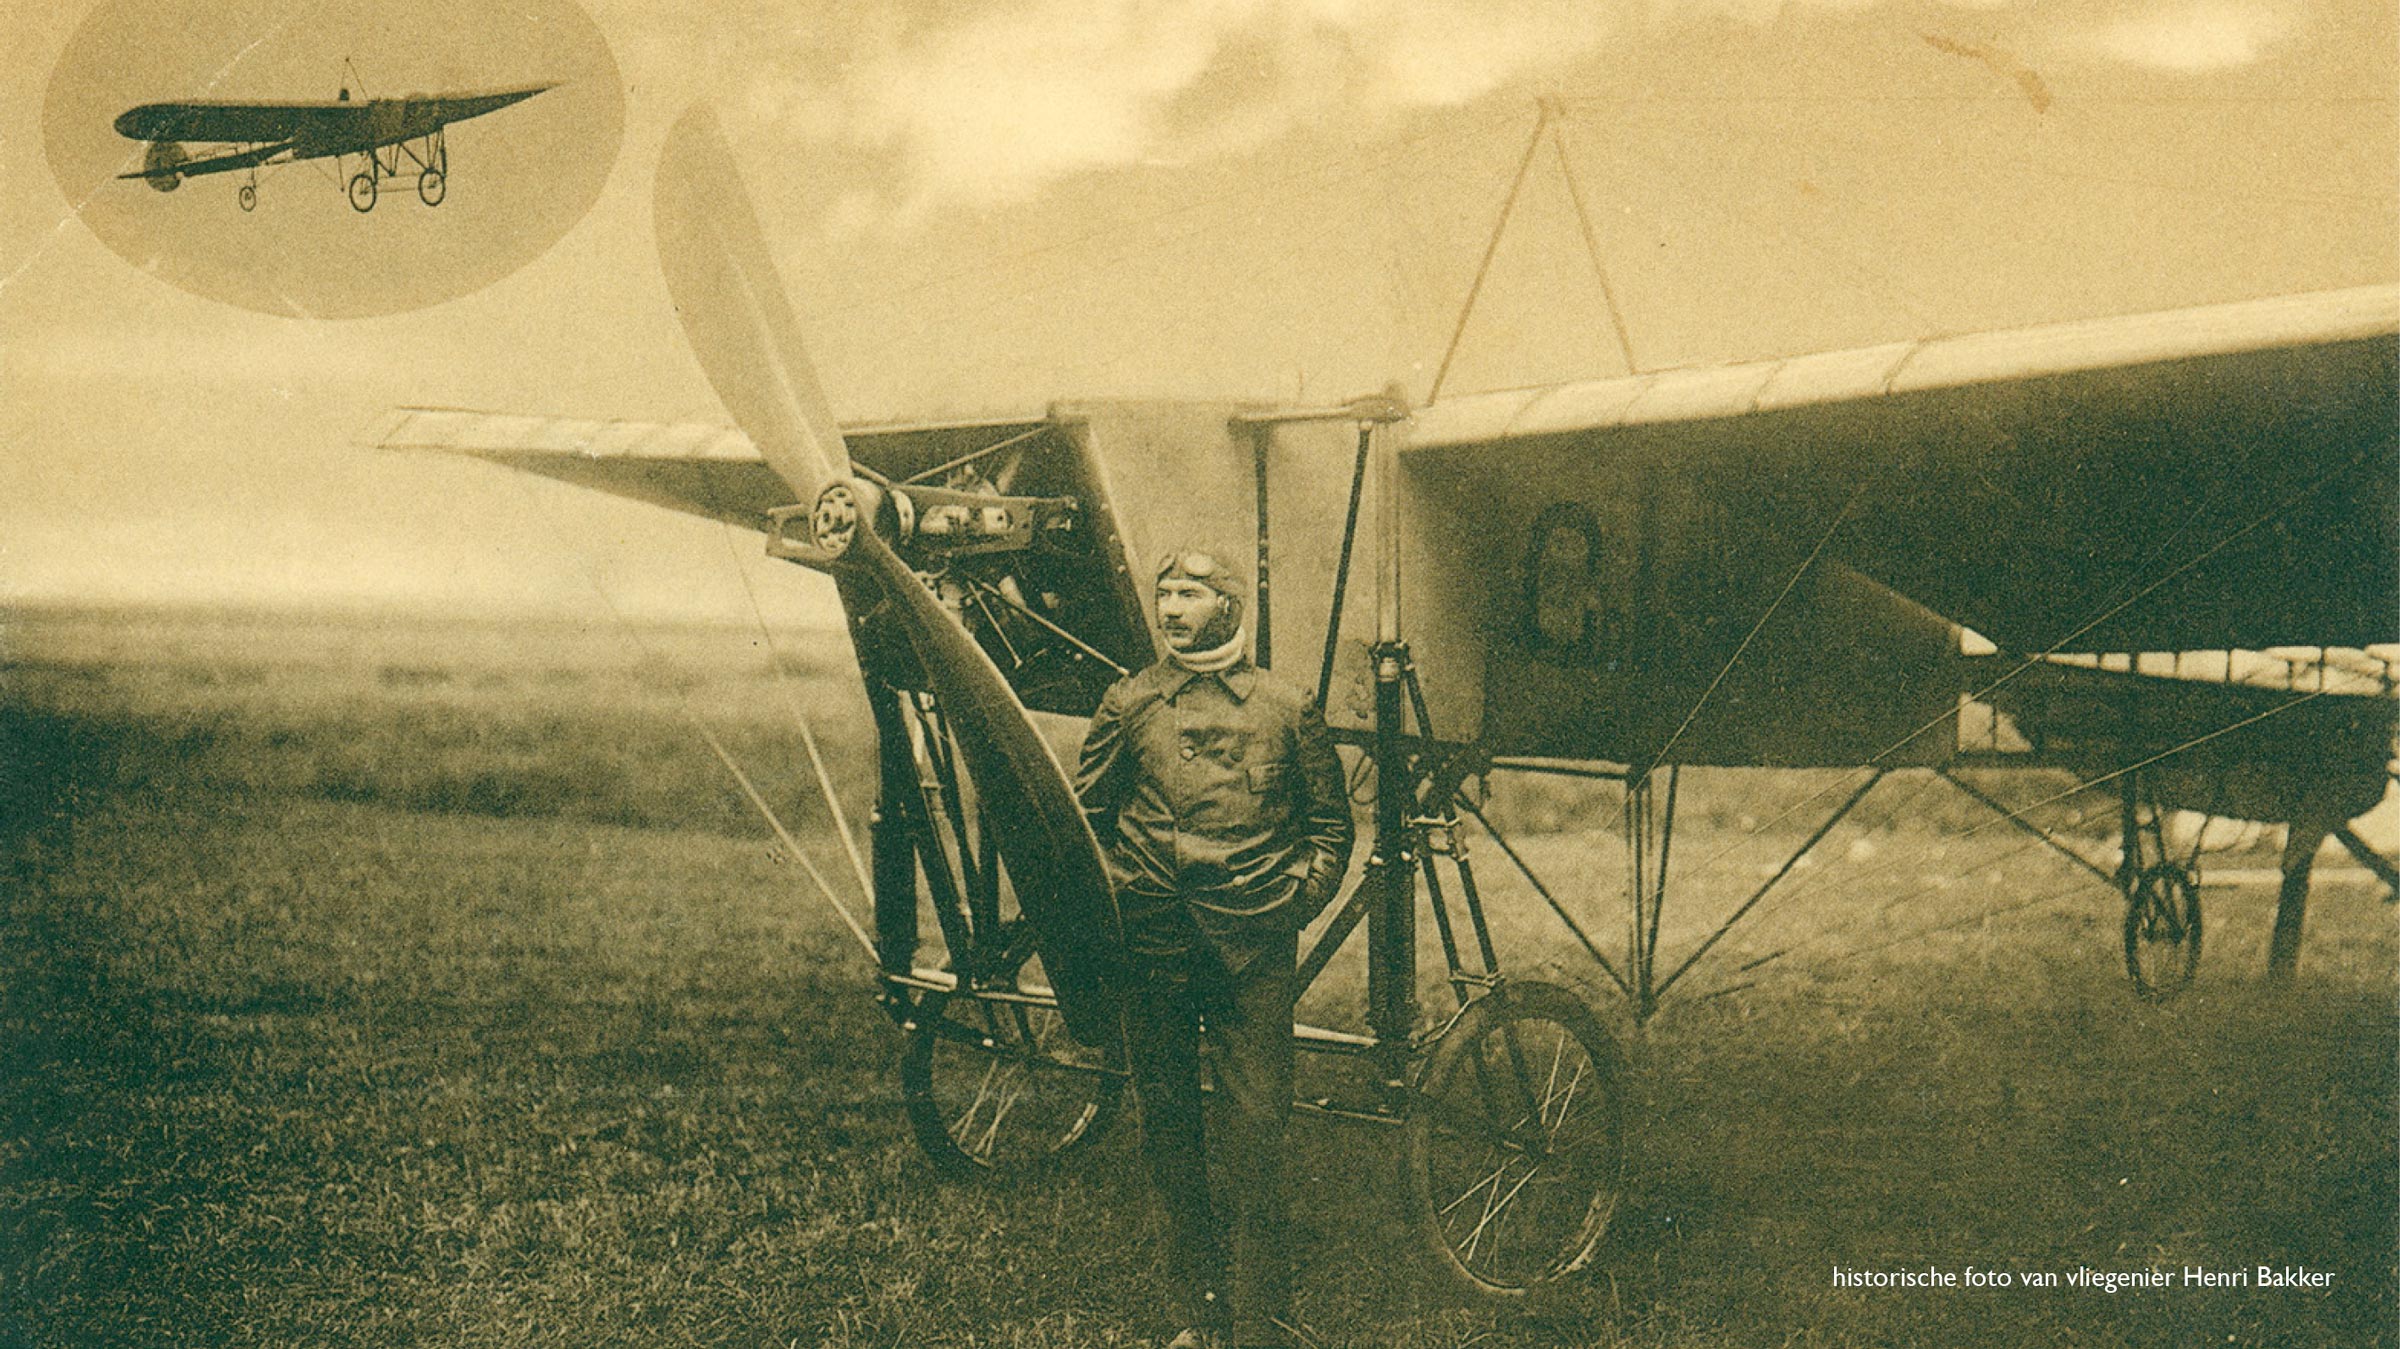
994,105
1002,103
2192,38
991,101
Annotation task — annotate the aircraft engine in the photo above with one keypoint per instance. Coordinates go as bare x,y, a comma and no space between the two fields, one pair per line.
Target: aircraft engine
165,155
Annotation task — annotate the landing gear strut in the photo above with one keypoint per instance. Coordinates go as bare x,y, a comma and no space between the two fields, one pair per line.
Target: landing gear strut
2291,902
431,156
433,169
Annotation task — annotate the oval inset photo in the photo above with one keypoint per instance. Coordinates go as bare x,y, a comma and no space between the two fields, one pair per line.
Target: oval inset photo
335,160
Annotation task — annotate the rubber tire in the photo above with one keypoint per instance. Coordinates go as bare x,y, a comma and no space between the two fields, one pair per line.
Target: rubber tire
248,197
1577,1233
440,187
1073,1108
362,192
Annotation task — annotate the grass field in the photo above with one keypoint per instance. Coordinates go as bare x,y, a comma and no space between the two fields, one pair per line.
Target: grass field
421,985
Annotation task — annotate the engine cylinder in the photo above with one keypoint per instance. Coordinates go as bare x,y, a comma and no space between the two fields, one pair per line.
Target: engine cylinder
165,155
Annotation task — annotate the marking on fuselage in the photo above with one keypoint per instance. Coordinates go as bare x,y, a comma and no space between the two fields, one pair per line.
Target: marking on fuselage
1563,618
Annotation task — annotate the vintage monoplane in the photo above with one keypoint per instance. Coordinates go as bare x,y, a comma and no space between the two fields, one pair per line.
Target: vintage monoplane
391,136
1777,564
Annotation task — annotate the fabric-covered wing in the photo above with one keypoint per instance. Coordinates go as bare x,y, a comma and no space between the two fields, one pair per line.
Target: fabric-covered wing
2200,479
2249,751
711,471
240,123
447,108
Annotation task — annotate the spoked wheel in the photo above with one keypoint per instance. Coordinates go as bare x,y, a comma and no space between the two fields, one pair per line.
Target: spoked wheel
248,197
1515,1145
2162,930
432,186
997,1085
362,192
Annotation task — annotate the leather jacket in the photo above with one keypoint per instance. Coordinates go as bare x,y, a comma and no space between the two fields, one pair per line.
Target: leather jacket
1221,791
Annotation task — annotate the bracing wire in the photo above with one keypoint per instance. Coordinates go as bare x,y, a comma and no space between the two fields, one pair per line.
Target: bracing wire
2001,813
1884,911
2084,785
808,734
1591,248
1806,563
1918,934
790,844
1491,248
691,714
1915,935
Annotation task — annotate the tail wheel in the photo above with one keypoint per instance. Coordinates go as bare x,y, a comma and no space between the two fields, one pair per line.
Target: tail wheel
362,192
993,1086
2162,930
1515,1148
432,186
248,197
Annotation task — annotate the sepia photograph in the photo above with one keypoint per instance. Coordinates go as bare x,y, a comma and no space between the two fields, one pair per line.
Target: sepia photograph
1200,674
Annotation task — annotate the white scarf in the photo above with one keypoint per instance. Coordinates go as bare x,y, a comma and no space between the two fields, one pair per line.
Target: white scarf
1216,660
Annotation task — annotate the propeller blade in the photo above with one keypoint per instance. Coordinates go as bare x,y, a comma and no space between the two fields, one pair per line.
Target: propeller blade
1061,884
743,331
734,311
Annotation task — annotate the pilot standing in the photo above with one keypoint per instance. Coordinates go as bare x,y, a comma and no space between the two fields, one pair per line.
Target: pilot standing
1214,790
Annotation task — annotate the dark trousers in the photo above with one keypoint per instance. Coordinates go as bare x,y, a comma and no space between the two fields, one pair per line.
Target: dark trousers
1240,1228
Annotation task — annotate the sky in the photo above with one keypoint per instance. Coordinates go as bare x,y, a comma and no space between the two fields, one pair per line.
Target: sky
988,207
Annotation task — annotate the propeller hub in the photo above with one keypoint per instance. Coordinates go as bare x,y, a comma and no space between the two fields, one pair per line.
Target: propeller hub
834,524
845,507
